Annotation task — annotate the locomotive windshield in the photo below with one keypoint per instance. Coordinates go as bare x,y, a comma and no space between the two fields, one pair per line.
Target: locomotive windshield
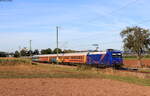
117,55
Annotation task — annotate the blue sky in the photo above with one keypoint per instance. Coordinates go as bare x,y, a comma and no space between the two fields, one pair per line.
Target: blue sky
82,23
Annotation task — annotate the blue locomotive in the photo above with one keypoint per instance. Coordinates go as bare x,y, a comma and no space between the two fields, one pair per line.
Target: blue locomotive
110,58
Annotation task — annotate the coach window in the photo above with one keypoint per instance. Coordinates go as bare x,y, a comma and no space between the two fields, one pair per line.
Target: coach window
66,57
77,57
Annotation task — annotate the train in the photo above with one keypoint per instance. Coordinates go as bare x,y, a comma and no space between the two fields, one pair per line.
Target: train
109,58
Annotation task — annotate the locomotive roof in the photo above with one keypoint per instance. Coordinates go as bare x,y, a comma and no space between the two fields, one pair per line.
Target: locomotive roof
70,54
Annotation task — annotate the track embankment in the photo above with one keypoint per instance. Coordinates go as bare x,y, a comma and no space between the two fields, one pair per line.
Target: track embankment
134,62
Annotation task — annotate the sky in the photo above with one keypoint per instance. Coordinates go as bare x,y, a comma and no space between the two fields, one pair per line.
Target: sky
81,23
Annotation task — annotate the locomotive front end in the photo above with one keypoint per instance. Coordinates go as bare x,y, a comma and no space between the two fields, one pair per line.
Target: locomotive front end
117,60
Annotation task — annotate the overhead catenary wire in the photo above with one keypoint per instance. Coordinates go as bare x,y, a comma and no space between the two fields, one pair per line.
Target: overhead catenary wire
111,13
115,11
126,5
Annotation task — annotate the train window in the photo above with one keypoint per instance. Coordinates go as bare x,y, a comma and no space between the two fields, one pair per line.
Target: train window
76,57
66,57
73,57
79,57
117,55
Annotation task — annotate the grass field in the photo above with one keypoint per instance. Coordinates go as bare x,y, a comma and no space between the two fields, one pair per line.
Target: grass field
14,61
27,70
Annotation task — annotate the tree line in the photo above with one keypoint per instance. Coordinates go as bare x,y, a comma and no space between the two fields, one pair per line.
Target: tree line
25,52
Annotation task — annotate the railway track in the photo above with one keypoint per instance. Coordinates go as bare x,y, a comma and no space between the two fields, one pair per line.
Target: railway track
133,70
120,69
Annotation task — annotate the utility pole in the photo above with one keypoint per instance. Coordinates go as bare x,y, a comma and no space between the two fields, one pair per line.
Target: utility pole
20,51
57,29
30,47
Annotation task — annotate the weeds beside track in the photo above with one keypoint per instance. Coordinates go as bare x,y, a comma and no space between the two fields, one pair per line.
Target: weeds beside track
14,61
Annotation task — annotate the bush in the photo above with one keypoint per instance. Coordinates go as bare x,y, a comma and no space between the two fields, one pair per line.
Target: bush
129,57
14,61
83,67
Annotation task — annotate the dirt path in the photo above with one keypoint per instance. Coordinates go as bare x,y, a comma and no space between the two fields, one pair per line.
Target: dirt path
133,62
69,87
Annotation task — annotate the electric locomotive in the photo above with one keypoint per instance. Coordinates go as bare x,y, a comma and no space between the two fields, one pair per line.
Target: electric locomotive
110,58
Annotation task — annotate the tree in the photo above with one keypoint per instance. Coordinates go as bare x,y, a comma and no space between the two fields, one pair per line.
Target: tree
137,40
24,52
17,54
43,51
55,51
46,51
36,52
69,51
3,54
29,53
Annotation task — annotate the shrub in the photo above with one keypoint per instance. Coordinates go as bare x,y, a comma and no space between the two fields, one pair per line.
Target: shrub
83,67
14,61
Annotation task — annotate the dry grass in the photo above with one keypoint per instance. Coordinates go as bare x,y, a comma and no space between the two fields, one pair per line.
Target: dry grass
14,61
59,71
23,68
